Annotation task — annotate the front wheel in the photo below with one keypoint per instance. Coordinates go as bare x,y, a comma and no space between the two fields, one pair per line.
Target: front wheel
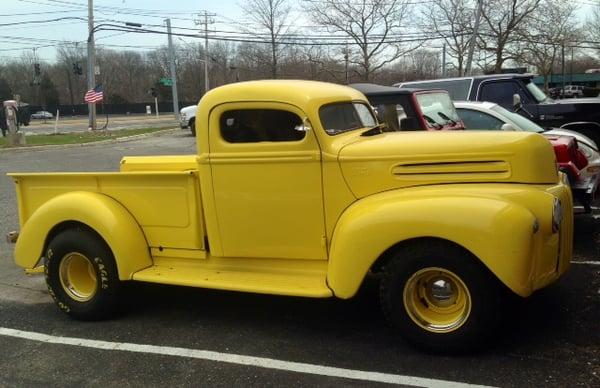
81,274
440,297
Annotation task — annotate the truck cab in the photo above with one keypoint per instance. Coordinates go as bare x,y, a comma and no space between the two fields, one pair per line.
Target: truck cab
296,190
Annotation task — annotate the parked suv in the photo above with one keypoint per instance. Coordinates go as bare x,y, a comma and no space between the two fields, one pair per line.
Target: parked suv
572,91
518,93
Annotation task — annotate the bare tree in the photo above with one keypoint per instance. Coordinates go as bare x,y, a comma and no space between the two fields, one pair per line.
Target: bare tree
371,25
593,27
502,20
452,21
548,30
271,15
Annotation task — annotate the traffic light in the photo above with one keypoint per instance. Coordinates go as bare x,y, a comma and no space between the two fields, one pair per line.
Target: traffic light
77,68
36,69
153,92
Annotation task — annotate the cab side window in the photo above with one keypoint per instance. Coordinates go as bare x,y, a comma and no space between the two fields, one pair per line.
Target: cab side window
260,125
501,92
474,119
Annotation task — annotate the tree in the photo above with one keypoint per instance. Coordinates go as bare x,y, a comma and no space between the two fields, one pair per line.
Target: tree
371,25
593,25
271,15
548,30
502,21
5,90
452,21
48,92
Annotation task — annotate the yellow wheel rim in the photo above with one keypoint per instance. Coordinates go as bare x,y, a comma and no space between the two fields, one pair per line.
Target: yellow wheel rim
437,300
78,277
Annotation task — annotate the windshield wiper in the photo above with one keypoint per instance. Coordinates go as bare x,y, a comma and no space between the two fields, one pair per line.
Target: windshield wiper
445,117
435,124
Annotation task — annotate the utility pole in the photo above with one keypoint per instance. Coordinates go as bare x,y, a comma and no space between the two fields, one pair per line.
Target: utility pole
206,22
91,76
346,59
562,51
173,73
444,60
473,37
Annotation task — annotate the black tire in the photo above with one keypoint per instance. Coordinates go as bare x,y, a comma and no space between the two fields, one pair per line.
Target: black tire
81,275
429,321
193,127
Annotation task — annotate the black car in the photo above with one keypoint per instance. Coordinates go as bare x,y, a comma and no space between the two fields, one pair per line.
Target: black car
518,92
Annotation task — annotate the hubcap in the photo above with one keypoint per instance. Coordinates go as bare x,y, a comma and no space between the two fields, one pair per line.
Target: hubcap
437,300
78,277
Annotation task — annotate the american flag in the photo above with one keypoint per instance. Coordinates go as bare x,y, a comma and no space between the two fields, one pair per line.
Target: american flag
95,95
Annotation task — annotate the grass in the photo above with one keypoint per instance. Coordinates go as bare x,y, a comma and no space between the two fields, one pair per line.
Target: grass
82,137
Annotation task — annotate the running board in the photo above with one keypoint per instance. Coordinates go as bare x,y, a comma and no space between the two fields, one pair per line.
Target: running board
277,282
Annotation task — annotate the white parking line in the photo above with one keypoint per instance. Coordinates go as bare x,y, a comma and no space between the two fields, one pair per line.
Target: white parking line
260,362
589,262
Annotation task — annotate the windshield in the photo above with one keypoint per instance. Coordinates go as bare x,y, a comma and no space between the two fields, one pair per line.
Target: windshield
522,123
346,116
437,109
538,94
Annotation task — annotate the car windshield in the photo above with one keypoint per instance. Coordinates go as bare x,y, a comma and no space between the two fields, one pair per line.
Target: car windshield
437,109
538,94
523,123
346,116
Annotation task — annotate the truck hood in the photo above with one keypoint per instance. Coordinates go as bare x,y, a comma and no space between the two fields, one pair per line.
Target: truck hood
577,101
402,159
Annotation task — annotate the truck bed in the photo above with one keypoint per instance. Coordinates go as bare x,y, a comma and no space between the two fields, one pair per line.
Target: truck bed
165,204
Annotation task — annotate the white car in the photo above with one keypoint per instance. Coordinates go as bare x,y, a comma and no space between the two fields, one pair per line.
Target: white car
187,118
42,114
573,91
490,115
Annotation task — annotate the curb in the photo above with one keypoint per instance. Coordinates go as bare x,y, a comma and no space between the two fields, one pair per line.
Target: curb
91,143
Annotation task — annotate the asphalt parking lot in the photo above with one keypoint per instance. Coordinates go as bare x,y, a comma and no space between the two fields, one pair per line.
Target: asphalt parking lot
174,336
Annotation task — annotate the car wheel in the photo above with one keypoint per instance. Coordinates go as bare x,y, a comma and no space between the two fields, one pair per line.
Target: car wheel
440,297
81,274
193,126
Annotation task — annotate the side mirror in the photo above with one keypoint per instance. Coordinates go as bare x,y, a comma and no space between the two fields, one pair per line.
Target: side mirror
304,127
507,127
517,103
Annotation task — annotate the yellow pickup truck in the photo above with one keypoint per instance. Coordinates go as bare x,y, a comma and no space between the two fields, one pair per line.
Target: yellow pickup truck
296,190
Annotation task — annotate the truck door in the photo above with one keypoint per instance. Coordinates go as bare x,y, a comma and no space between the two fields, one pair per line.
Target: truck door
501,92
266,175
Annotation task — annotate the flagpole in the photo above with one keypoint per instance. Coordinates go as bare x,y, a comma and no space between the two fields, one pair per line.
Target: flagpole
91,74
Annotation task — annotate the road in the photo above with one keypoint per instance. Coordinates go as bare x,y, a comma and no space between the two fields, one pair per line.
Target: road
175,336
80,123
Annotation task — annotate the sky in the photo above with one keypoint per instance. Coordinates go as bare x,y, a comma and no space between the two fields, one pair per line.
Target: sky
17,39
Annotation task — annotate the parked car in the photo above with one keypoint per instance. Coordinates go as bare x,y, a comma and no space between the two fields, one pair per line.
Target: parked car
187,118
572,91
411,109
580,158
295,190
517,92
42,114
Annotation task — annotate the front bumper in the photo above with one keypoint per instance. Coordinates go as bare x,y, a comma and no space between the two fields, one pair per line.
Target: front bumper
183,122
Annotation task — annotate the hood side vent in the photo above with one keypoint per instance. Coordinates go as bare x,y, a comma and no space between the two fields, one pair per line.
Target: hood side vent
483,168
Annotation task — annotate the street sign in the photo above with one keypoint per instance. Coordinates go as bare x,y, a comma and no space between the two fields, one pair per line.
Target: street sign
166,81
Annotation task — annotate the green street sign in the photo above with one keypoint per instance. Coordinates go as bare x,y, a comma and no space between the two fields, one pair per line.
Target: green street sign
166,81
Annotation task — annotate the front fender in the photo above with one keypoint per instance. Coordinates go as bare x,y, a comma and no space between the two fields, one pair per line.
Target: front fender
103,214
496,231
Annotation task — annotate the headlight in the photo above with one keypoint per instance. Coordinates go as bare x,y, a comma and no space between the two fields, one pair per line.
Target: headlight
183,116
556,215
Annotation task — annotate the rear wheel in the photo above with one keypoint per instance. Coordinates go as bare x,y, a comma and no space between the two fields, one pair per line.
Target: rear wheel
440,297
81,274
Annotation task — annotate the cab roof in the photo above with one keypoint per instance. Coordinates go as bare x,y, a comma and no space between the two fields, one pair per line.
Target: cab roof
296,92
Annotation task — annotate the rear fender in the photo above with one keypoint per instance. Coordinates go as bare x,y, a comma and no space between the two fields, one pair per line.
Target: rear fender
99,212
497,232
